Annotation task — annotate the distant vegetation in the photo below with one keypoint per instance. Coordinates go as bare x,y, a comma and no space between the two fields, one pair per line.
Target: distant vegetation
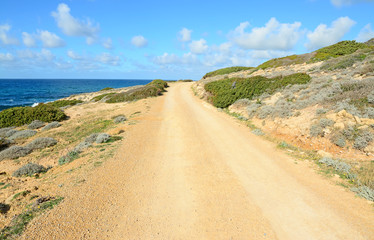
63,103
99,97
337,50
226,92
226,71
106,89
152,89
19,116
286,61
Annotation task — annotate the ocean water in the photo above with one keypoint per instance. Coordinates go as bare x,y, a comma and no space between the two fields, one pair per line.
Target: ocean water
26,92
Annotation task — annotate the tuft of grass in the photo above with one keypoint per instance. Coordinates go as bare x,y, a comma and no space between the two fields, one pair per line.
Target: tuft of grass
224,71
223,94
19,223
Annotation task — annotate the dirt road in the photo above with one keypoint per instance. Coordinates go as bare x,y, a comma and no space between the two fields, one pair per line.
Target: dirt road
187,171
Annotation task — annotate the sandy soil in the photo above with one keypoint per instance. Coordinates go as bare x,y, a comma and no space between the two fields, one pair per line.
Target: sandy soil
187,171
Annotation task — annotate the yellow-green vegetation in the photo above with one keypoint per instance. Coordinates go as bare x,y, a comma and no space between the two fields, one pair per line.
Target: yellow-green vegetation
285,61
19,222
336,50
19,116
343,62
98,98
226,92
64,103
106,89
227,70
152,89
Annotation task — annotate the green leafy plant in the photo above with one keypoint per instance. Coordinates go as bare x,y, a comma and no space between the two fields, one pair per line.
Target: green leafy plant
19,116
227,70
223,94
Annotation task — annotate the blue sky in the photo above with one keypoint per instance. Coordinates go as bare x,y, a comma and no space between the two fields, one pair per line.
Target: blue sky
167,39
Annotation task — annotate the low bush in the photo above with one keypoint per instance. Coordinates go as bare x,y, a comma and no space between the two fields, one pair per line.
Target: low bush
100,97
324,122
64,103
19,116
341,167
41,143
139,93
4,131
36,124
71,156
223,94
102,138
4,143
14,152
161,84
82,146
224,71
4,208
120,119
22,134
338,139
363,140
29,170
258,132
336,50
316,131
51,125
91,138
106,89
365,192
285,61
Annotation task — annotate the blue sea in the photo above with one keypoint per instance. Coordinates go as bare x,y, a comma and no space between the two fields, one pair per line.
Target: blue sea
27,92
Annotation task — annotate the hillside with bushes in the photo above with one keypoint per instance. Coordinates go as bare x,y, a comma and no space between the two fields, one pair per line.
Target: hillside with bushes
321,102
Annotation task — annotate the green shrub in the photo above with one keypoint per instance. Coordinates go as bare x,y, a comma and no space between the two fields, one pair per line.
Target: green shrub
64,103
140,93
99,97
285,61
161,84
227,70
71,156
29,170
223,94
337,50
106,89
19,116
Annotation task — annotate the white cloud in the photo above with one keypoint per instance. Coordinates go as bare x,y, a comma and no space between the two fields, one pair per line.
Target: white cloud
44,55
185,35
323,36
339,3
72,26
50,40
274,36
6,57
139,41
28,40
173,59
365,34
4,29
198,47
107,43
109,59
74,56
